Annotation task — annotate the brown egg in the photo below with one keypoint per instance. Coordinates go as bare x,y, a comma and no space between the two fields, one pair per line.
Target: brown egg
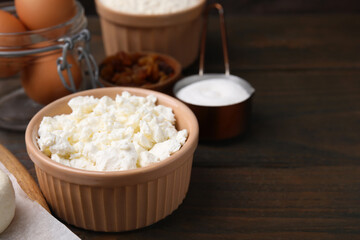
12,25
38,14
9,66
41,80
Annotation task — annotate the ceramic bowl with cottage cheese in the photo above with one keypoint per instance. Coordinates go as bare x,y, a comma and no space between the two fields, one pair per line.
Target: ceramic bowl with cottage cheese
106,176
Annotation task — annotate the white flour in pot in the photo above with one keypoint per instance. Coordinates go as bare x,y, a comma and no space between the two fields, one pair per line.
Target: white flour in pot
150,7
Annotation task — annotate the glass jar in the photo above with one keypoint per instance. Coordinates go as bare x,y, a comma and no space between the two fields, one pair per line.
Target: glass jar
39,66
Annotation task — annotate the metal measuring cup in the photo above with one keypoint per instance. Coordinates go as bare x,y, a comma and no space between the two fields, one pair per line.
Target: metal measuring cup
219,122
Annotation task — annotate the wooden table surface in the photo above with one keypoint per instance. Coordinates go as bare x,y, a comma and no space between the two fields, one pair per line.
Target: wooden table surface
296,173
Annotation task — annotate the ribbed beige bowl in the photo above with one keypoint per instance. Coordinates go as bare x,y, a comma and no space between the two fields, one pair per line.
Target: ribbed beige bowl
119,200
176,34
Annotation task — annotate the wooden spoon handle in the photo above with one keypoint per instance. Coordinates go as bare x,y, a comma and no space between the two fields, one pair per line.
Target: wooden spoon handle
24,179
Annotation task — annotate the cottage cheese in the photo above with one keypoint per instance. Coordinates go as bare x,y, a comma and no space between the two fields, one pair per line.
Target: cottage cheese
150,7
111,135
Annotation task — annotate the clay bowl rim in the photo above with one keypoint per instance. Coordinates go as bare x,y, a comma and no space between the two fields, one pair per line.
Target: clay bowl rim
146,16
174,63
189,146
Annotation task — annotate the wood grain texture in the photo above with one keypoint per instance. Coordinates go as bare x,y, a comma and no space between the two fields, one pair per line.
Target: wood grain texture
262,203
306,118
295,174
286,42
24,179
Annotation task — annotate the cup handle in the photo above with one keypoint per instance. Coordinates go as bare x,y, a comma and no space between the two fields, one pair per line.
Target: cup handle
220,9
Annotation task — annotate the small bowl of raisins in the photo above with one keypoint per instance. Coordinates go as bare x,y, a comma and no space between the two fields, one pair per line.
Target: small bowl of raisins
148,70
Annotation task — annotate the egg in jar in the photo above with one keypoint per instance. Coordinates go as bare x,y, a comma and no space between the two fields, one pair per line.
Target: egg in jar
42,82
40,14
9,66
13,25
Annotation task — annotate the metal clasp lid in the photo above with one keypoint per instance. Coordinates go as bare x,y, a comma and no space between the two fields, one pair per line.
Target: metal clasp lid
66,44
83,54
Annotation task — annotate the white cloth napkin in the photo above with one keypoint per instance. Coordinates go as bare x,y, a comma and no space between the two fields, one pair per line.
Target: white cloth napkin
31,220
